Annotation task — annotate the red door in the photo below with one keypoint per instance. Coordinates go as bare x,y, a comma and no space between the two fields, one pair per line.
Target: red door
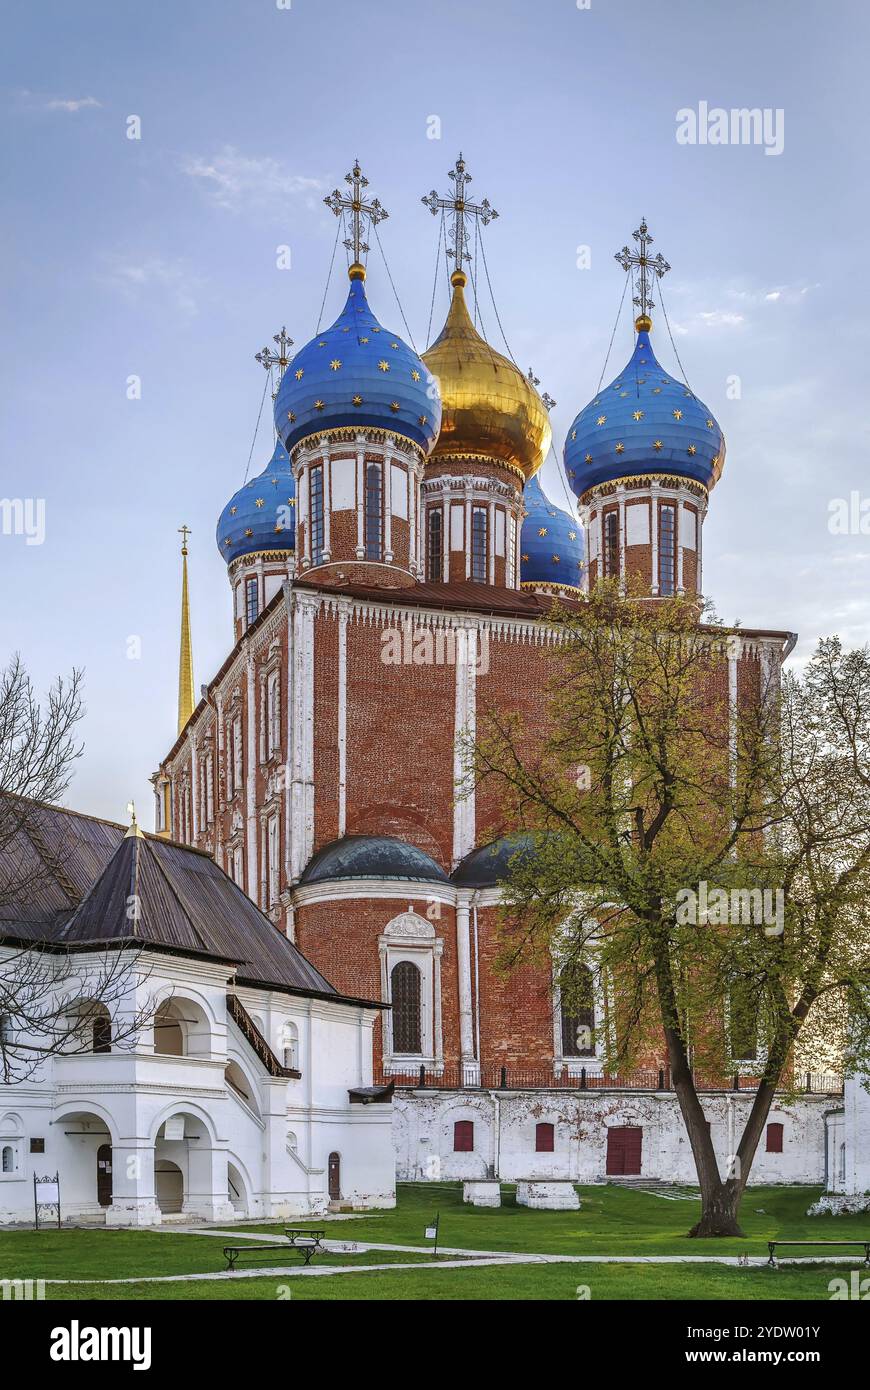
623,1151
104,1175
334,1176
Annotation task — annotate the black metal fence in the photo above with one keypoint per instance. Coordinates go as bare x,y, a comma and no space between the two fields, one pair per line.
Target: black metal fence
506,1078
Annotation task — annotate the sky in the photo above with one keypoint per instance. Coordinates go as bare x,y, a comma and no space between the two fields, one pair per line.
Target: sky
158,261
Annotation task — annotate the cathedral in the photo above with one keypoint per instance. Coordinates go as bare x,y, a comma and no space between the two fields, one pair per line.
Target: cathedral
391,571
305,999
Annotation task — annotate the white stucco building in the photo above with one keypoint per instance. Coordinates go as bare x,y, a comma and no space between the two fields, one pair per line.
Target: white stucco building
210,1072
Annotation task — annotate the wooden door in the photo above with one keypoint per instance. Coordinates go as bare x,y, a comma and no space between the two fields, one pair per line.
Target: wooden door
334,1171
104,1175
624,1144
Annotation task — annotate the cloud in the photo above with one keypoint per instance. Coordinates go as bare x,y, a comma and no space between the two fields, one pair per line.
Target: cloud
71,104
233,180
135,278
36,101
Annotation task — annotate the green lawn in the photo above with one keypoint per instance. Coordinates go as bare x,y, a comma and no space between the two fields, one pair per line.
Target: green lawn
612,1220
518,1283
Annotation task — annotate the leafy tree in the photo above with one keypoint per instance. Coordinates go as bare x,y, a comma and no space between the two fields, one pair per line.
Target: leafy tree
705,849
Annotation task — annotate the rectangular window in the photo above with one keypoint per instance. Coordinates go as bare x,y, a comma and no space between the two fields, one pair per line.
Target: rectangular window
316,517
374,521
273,715
667,547
774,1138
611,545
435,551
209,789
252,601
237,769
273,843
545,1139
463,1137
478,544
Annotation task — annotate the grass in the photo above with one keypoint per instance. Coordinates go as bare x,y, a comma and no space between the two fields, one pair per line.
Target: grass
612,1221
519,1283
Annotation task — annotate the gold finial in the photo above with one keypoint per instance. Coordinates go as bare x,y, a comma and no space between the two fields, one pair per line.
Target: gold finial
134,832
186,702
459,279
649,269
356,271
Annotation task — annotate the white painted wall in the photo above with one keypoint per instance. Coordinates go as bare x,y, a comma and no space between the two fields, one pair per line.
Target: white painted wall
504,1135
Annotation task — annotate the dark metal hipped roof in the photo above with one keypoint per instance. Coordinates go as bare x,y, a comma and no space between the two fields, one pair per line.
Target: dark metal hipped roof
88,882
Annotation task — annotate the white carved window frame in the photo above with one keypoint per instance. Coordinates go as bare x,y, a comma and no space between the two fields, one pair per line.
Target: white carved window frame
410,937
594,1064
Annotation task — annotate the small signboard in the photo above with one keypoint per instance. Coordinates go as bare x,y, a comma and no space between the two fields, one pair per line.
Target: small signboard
46,1198
431,1232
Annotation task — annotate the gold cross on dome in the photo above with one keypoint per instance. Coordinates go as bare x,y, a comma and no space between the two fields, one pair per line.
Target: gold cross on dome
461,209
649,268
355,208
184,532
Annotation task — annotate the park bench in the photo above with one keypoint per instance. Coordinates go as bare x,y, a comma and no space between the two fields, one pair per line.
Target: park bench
296,1238
864,1245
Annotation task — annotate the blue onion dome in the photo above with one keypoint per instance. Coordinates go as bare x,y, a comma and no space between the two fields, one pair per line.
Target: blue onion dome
644,422
551,544
355,375
262,514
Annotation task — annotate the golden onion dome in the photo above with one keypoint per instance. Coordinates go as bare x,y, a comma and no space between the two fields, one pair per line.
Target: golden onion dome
488,407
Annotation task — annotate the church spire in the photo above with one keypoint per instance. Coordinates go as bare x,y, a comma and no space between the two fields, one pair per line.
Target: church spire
185,657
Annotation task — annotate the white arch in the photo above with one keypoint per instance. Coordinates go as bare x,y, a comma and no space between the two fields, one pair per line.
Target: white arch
184,1107
11,1125
86,1106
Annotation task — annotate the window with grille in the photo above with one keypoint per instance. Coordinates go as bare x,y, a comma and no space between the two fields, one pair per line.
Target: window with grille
252,601
545,1139
435,549
611,545
405,993
478,544
667,547
374,509
578,1012
316,513
463,1137
774,1138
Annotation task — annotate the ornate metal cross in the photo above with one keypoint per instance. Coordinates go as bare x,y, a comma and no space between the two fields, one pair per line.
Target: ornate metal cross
546,398
356,208
269,358
649,268
184,532
461,209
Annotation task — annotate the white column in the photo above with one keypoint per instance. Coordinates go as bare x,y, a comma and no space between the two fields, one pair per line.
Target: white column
194,781
699,530
387,493
342,718
303,506
413,527
302,783
490,542
251,783
467,537
620,493
360,502
446,524
438,1032
678,538
464,724
463,969
327,503
654,534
